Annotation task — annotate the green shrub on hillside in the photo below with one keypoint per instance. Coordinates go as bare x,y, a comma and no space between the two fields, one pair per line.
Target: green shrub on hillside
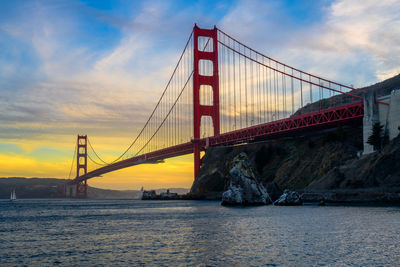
376,138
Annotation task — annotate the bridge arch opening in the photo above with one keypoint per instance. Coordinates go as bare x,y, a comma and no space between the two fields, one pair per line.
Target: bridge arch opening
82,161
206,67
206,126
205,44
206,95
82,150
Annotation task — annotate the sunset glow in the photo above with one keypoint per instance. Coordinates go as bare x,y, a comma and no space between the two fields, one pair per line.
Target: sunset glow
99,67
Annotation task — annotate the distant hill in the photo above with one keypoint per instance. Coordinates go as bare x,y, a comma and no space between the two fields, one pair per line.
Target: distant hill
31,188
53,188
384,87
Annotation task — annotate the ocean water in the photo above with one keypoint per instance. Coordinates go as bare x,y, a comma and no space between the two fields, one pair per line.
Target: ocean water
160,233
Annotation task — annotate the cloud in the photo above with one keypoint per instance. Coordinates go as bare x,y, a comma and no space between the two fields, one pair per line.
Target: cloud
348,43
72,68
80,85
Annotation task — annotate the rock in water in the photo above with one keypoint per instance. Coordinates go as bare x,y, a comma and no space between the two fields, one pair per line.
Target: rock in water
289,198
242,187
149,195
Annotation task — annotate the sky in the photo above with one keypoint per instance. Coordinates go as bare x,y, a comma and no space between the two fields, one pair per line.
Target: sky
71,67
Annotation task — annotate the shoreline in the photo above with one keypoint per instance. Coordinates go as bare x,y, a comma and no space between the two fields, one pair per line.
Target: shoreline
366,197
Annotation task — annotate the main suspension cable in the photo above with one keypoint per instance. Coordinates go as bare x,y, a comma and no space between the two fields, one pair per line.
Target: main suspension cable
90,145
72,165
95,162
278,62
158,103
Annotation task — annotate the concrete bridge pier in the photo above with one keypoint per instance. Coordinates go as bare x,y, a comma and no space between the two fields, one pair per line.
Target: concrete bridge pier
386,115
70,191
76,190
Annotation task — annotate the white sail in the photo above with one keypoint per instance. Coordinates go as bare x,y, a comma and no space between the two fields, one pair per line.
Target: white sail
140,193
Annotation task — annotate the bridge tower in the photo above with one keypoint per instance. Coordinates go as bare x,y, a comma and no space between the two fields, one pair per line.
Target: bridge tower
201,80
81,165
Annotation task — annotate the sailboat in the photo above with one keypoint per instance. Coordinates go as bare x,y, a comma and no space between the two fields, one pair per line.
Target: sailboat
13,195
141,193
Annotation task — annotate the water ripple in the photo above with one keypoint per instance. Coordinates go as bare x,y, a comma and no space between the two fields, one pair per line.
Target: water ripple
203,233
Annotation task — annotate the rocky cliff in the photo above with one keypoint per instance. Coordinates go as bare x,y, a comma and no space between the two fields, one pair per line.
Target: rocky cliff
329,161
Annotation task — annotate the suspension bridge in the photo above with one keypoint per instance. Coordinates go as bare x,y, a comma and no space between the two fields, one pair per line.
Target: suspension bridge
223,92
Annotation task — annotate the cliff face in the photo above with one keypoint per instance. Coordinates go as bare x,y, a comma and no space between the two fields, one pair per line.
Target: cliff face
379,170
325,161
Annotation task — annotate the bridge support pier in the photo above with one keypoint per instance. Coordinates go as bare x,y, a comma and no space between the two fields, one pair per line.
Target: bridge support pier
386,115
200,80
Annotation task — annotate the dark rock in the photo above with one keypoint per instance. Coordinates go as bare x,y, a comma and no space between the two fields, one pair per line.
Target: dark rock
211,179
273,191
242,186
149,195
152,195
168,194
289,198
312,198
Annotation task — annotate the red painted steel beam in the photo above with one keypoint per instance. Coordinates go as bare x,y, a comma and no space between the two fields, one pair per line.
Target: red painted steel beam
353,112
151,157
350,113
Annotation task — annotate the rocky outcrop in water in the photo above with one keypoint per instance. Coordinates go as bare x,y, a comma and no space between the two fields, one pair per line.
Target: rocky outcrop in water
289,198
242,186
149,195
152,195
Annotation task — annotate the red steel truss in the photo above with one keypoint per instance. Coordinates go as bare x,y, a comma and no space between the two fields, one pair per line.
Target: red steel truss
328,118
350,113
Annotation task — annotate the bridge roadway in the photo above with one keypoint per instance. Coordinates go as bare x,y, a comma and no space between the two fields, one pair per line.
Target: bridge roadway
345,114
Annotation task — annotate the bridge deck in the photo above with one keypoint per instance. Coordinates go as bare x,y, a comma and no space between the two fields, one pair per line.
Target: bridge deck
345,114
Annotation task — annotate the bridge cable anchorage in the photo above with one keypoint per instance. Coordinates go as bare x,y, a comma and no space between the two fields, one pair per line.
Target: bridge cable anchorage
72,165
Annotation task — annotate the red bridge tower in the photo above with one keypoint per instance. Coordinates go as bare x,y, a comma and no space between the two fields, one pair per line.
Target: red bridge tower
81,165
201,80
